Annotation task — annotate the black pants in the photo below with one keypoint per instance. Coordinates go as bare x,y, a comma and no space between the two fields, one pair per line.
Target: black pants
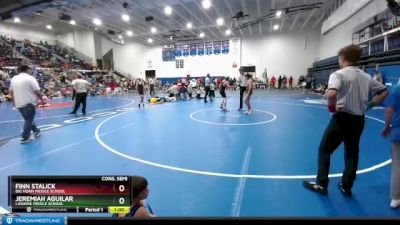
208,93
242,91
80,98
345,128
151,89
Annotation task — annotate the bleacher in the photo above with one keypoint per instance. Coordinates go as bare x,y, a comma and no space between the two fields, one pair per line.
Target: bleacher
44,55
322,69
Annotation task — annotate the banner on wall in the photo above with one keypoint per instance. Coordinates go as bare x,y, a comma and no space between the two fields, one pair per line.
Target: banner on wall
209,48
186,50
168,53
225,47
217,47
193,49
178,50
200,49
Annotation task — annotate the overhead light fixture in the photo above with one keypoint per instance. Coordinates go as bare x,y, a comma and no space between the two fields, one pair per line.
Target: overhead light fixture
279,13
49,27
171,38
220,21
129,33
150,40
97,22
17,20
120,36
72,22
276,27
206,4
202,35
168,10
125,17
189,25
228,32
153,30
95,29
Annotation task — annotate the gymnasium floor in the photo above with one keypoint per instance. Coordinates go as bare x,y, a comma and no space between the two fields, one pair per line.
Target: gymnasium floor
201,162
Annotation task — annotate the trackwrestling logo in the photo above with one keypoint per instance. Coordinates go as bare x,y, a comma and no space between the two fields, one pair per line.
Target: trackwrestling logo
33,220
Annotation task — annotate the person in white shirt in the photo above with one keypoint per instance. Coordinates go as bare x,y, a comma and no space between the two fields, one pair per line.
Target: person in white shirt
81,88
25,92
243,85
348,94
151,83
207,86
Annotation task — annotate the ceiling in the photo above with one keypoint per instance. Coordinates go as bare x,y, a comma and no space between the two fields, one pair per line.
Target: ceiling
184,11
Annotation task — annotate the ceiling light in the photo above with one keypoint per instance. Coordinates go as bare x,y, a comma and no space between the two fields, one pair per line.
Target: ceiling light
153,30
171,38
168,10
202,35
220,21
279,13
72,22
49,27
228,32
97,22
150,40
120,36
125,17
276,26
129,33
189,25
17,20
206,4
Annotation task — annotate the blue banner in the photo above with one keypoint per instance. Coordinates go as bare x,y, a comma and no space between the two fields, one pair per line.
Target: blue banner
193,49
33,220
200,49
186,50
217,47
209,48
168,55
178,50
225,47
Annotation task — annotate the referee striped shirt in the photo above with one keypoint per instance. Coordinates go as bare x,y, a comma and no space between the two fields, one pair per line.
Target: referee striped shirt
354,88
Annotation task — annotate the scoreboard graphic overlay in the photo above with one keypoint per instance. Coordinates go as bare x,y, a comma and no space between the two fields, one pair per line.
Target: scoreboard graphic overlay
62,194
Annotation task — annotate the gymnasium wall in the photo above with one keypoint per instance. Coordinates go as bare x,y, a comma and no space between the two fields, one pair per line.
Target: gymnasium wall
84,42
341,35
21,32
282,54
129,58
196,66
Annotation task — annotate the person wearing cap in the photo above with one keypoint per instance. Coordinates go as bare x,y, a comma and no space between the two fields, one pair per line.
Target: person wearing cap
25,92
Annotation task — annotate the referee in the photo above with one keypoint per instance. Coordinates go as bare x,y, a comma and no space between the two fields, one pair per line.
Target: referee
348,94
243,86
81,88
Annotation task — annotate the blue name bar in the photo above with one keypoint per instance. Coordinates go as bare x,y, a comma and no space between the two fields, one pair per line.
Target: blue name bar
33,220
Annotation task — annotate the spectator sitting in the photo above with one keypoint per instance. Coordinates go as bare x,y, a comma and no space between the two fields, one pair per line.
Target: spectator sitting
212,90
198,93
321,89
378,77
